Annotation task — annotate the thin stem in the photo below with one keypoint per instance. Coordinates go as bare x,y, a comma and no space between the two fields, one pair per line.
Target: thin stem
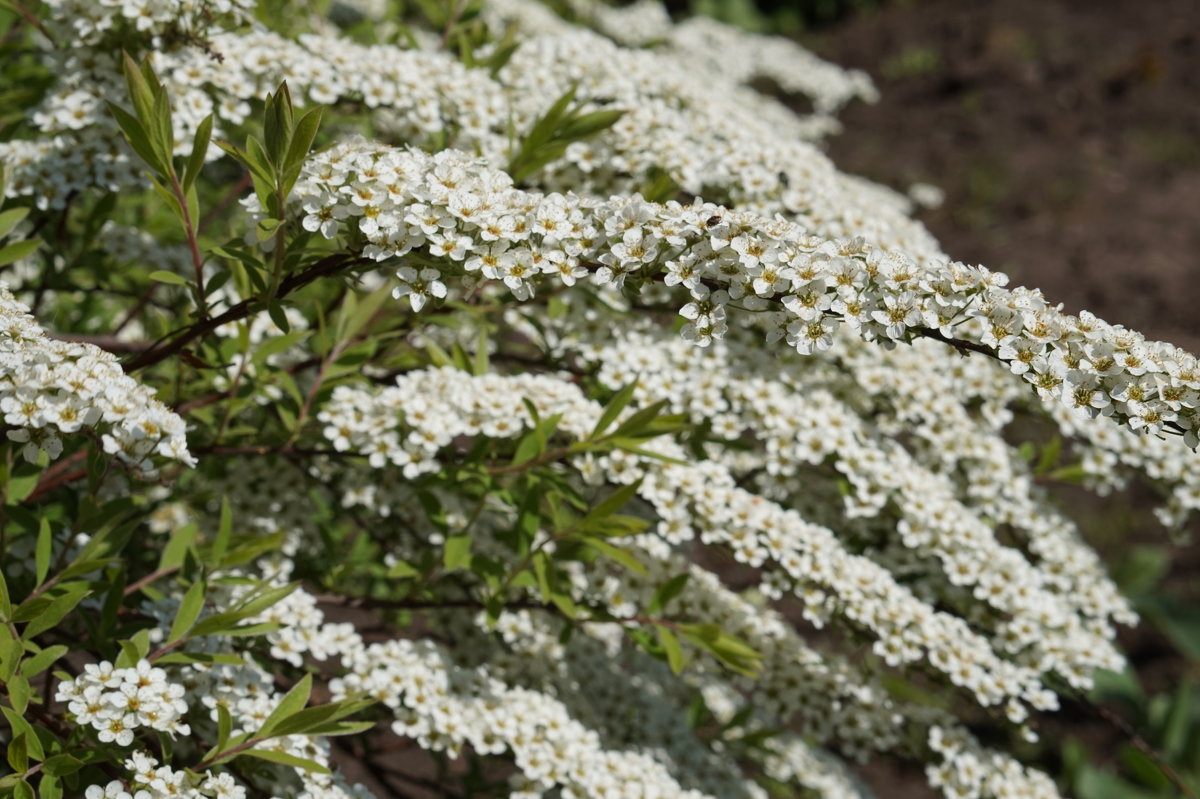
179,339
29,17
193,245
137,585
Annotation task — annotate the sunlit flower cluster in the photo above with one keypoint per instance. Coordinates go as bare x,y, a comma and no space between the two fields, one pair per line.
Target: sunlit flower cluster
51,388
117,701
804,289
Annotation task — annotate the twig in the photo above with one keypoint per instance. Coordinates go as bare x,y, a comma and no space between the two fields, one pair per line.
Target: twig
179,339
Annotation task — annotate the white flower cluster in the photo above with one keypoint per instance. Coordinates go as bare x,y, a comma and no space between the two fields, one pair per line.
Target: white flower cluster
49,388
1057,613
796,682
116,702
444,707
406,426
87,22
149,780
805,288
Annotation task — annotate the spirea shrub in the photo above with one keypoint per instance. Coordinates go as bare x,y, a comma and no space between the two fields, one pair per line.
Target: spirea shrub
499,399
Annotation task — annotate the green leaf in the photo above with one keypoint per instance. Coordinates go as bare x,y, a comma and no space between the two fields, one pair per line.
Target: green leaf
35,665
43,551
671,648
189,610
622,556
285,759
304,721
403,569
253,606
18,692
275,311
53,614
11,652
5,598
277,125
61,765
304,134
163,276
249,158
613,409
195,161
585,125
667,591
18,250
224,532
1049,458
227,658
49,788
10,218
457,554
293,702
275,345
224,726
22,727
1175,728
177,546
610,504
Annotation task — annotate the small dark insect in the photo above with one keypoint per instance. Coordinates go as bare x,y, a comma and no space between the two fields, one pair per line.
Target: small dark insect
713,220
784,180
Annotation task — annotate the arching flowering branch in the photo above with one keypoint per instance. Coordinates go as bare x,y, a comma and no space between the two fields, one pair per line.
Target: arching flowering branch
800,288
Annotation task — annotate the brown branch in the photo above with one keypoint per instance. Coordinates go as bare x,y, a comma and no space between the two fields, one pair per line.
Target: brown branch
105,342
184,336
58,474
29,17
149,578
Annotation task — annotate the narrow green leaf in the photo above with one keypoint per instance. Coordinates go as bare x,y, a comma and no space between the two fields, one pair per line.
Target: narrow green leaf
285,759
161,133
163,276
35,665
224,532
671,648
61,765
177,546
403,569
302,139
457,554
43,551
18,692
200,143
10,218
667,591
18,250
5,598
189,611
293,702
53,614
11,652
586,125
224,726
275,311
622,556
141,93
611,504
613,409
